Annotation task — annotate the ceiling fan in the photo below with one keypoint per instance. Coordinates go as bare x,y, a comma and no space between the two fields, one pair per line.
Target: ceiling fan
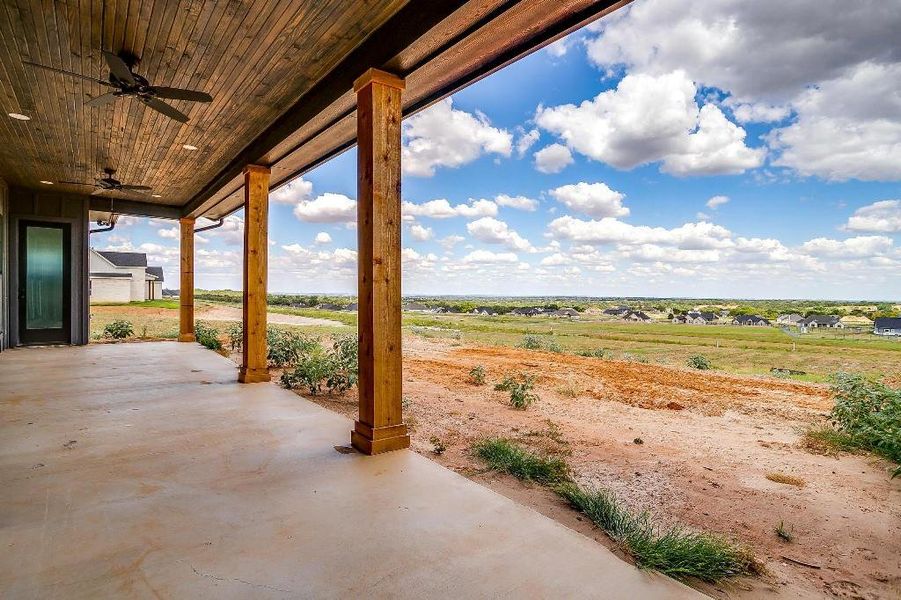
128,83
109,183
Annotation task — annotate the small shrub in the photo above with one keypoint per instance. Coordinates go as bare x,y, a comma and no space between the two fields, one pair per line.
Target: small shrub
335,369
285,347
118,330
698,361
552,346
785,534
504,384
477,375
869,414
235,334
438,446
311,370
520,388
507,456
531,342
345,363
207,335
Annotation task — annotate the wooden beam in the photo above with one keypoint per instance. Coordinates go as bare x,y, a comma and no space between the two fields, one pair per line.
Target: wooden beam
254,366
134,207
380,427
186,286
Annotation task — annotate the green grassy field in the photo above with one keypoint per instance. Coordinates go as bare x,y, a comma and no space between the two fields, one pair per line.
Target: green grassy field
744,350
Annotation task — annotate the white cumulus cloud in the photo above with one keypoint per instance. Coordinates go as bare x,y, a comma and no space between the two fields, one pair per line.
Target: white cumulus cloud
553,158
717,201
442,209
492,231
442,136
327,208
299,190
880,217
420,233
593,199
649,119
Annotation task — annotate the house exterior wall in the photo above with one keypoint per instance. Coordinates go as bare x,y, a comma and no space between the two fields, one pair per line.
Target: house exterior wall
4,267
138,283
110,289
52,207
157,290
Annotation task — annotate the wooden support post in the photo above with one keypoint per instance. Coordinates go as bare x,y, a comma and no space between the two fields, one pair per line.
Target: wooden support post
380,427
256,251
186,286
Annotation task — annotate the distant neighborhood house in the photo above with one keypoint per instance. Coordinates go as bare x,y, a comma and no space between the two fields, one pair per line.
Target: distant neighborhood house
751,321
814,321
792,319
695,317
637,316
888,326
123,277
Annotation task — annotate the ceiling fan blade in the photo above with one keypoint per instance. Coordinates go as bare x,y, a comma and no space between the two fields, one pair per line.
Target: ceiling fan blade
118,68
160,106
101,99
69,73
172,93
75,183
135,188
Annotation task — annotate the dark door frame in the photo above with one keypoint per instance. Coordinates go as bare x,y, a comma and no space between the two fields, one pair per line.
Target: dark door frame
62,335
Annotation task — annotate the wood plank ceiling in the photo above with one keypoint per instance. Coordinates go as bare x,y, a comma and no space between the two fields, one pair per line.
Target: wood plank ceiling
255,57
280,73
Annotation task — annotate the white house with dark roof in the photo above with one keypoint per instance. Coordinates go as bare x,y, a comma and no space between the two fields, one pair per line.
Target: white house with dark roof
123,277
888,326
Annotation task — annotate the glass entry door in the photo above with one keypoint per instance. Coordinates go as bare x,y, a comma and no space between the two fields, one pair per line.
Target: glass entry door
44,282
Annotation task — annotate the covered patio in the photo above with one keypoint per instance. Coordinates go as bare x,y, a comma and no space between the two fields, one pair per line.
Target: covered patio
155,469
188,484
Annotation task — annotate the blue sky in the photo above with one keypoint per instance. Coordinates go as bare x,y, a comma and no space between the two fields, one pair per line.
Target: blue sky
719,153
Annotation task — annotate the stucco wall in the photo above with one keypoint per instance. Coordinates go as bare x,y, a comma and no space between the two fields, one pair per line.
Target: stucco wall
110,289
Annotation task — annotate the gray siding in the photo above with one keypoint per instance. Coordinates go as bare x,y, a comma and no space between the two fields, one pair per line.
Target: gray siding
4,266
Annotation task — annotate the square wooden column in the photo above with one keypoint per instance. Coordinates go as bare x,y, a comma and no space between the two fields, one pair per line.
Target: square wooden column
254,366
380,427
186,285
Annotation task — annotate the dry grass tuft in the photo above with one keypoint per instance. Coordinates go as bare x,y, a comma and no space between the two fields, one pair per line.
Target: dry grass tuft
786,479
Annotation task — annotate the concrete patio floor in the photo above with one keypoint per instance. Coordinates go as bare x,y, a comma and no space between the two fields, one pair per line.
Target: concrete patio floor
145,471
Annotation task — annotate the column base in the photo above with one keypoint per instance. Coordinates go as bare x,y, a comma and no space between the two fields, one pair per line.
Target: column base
186,337
377,440
246,375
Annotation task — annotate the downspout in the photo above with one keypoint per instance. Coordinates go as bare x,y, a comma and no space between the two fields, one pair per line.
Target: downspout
218,223
110,227
221,221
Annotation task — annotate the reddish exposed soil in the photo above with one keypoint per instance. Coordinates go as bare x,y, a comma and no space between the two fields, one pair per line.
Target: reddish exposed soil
707,442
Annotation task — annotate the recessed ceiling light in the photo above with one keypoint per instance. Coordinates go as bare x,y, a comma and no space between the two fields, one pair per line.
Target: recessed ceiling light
189,147
156,195
45,182
20,117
